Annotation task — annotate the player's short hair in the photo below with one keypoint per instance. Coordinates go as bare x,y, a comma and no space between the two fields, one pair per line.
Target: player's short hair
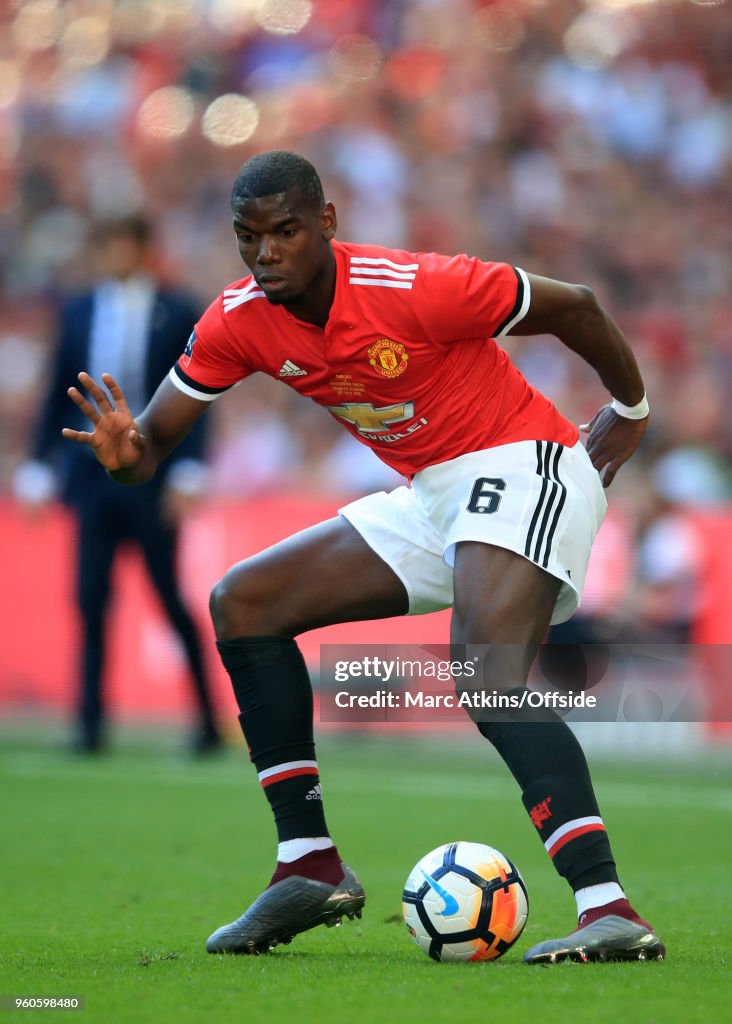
275,171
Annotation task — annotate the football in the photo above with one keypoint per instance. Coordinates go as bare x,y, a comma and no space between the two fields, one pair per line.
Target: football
465,901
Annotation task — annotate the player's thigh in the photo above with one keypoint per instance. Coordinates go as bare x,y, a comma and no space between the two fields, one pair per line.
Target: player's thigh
504,602
321,576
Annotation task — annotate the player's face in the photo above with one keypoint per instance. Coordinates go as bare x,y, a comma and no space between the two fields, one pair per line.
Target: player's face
284,243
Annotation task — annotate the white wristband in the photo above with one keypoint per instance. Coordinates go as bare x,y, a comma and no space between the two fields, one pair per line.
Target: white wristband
631,412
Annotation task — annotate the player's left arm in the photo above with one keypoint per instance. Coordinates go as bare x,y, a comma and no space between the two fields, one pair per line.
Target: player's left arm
572,313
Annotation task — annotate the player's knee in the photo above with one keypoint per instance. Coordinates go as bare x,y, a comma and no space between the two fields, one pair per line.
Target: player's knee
229,606
491,695
497,668
239,605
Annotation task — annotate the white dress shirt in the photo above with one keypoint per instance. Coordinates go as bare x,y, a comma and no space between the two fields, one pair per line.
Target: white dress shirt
120,329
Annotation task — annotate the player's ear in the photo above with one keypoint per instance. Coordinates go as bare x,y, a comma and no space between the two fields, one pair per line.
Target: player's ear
328,222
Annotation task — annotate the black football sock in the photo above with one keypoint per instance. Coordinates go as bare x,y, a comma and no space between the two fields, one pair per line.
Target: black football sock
273,691
550,767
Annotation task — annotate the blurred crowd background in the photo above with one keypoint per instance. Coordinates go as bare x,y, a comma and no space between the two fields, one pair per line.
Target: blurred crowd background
587,140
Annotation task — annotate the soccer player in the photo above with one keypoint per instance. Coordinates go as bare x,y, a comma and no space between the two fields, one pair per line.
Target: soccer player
498,521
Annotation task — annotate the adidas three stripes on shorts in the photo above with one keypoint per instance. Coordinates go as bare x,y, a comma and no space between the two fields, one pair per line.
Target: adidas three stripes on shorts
538,498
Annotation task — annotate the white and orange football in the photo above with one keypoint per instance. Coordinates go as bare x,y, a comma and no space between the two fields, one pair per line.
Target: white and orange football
465,901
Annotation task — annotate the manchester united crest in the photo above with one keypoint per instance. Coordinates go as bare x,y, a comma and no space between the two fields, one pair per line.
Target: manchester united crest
389,358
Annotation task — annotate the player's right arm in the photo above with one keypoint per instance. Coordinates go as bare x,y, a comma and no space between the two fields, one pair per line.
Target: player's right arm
131,448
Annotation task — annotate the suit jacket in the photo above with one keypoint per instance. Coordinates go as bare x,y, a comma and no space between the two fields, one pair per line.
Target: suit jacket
172,319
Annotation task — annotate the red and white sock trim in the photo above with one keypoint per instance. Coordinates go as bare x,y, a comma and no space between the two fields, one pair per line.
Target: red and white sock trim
287,770
571,830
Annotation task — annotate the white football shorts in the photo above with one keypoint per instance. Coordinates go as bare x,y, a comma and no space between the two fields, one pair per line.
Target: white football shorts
538,498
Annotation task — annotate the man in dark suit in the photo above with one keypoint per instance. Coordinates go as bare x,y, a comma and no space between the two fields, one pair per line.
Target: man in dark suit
131,322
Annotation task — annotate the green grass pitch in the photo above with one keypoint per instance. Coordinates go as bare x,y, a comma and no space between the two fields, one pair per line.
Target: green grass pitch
115,871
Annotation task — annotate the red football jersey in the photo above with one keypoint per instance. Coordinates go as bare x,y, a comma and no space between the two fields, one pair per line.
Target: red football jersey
406,362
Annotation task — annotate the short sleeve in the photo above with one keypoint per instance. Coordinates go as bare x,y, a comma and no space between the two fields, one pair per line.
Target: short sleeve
212,362
463,297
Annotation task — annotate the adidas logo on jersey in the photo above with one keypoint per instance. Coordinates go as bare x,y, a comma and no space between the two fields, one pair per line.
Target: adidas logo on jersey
289,369
316,793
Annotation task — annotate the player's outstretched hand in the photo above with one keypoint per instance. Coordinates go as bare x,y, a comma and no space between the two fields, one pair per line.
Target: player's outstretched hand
611,441
116,439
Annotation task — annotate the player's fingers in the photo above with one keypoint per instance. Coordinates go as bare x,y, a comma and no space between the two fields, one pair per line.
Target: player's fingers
613,466
90,411
602,441
608,474
592,423
596,424
99,395
116,392
82,436
600,457
595,449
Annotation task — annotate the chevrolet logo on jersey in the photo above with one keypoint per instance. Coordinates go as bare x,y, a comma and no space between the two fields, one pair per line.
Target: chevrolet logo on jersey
369,420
